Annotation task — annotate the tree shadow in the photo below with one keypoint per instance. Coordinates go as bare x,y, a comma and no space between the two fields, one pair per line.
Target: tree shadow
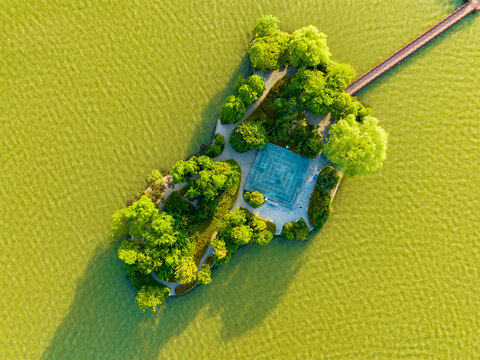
205,129
259,278
104,321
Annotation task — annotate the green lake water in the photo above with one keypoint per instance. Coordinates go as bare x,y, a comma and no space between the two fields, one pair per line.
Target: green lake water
95,94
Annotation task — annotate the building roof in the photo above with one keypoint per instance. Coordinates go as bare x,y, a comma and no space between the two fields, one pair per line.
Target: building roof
278,174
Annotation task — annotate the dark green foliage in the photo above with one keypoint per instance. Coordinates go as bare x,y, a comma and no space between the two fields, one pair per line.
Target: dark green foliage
219,140
250,134
214,150
266,25
296,230
308,47
232,111
254,198
210,181
320,207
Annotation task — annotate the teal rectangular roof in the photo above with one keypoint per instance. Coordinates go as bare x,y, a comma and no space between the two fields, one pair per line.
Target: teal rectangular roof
278,174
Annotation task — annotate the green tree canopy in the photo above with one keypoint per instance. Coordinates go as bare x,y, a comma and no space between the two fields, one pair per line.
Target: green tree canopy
266,25
270,52
210,181
250,134
232,111
340,75
308,47
254,198
357,148
150,297
296,230
204,275
186,271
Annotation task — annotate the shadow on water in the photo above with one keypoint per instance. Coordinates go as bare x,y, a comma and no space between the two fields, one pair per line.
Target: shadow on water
205,128
255,281
105,323
453,31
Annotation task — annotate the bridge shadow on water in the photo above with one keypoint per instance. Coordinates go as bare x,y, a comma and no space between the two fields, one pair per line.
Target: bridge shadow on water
104,322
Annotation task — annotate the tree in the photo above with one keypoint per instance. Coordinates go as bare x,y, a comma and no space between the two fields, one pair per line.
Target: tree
186,271
210,181
134,219
154,178
343,105
204,275
270,52
320,206
151,297
308,47
257,84
220,248
266,25
128,252
232,111
241,235
255,198
296,230
248,135
357,148
340,75
247,95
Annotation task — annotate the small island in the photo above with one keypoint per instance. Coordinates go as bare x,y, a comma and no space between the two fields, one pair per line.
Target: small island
281,147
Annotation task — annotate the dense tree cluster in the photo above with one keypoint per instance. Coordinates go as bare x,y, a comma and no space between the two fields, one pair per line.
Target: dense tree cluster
204,275
320,207
295,230
308,47
250,134
164,241
248,91
357,148
254,198
239,227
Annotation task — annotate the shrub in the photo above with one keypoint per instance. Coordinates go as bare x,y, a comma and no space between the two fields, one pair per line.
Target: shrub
248,135
232,111
296,230
214,150
219,140
247,95
255,198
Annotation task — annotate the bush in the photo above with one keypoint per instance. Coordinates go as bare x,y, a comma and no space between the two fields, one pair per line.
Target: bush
151,297
296,230
255,198
248,135
219,140
214,151
186,270
232,111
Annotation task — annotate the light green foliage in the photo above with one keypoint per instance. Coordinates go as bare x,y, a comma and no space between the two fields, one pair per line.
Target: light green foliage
247,95
308,47
128,252
135,219
296,230
210,181
343,105
249,90
254,198
151,297
266,25
239,82
220,248
320,207
270,52
232,111
357,148
186,271
340,75
219,140
250,134
204,275
184,170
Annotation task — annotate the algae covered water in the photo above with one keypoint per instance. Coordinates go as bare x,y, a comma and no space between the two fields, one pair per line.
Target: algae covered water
93,95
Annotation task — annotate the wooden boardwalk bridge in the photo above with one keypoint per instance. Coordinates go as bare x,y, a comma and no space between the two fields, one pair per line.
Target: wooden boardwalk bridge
410,48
